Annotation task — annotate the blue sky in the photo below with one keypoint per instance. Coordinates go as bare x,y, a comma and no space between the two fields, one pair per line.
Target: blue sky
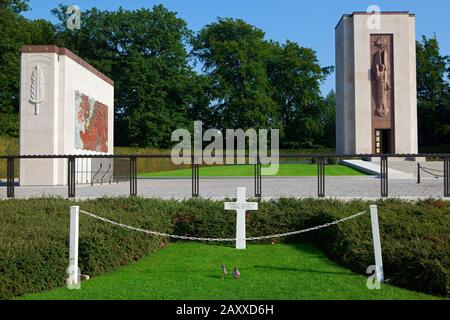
310,23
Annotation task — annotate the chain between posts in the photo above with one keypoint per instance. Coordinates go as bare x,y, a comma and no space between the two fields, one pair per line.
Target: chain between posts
428,170
432,169
173,236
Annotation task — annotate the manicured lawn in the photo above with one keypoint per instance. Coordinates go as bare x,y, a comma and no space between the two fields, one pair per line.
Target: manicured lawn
286,169
193,271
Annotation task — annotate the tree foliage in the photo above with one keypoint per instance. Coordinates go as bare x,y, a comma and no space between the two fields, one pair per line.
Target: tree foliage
15,6
296,75
16,31
144,52
433,93
261,84
234,55
328,119
247,81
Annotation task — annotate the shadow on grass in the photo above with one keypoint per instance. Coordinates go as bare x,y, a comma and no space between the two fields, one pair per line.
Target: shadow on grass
299,270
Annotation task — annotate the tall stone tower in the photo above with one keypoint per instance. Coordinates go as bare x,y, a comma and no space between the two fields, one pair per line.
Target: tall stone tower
376,103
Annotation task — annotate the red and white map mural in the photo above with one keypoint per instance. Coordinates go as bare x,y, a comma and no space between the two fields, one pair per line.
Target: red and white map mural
91,124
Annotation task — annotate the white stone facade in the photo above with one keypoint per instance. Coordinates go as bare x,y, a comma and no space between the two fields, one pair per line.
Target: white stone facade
354,132
51,131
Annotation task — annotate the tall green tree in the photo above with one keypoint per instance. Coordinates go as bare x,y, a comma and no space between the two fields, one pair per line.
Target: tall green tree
328,118
16,31
144,52
295,76
433,90
234,56
257,83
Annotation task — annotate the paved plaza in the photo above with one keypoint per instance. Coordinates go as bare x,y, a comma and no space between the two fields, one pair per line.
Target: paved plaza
341,187
272,187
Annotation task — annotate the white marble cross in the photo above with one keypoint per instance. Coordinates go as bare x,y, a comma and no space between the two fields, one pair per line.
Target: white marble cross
241,206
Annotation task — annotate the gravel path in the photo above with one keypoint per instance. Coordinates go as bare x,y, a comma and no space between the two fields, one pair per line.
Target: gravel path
341,187
272,187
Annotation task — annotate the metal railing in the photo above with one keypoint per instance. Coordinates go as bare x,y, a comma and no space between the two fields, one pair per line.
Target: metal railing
257,177
133,176
321,177
384,177
319,159
96,174
436,173
447,177
10,177
71,176
105,173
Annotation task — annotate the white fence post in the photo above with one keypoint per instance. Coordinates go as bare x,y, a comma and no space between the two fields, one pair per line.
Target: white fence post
73,282
376,243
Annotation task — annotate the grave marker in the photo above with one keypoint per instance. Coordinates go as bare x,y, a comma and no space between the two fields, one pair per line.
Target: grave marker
241,206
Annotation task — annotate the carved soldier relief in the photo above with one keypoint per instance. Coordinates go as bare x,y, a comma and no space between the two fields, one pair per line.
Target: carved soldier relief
381,76
382,83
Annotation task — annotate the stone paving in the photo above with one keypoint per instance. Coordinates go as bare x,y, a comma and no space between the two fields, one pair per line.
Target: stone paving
342,187
272,187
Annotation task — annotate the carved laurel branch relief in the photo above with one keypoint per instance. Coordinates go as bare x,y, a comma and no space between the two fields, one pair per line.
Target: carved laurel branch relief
37,89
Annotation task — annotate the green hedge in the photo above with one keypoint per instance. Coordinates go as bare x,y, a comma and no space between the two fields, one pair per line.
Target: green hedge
34,236
415,236
34,241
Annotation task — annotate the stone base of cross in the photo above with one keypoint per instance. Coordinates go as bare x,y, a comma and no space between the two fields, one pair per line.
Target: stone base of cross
241,206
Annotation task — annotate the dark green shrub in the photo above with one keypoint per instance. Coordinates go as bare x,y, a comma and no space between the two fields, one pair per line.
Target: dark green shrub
415,236
332,160
34,240
34,236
